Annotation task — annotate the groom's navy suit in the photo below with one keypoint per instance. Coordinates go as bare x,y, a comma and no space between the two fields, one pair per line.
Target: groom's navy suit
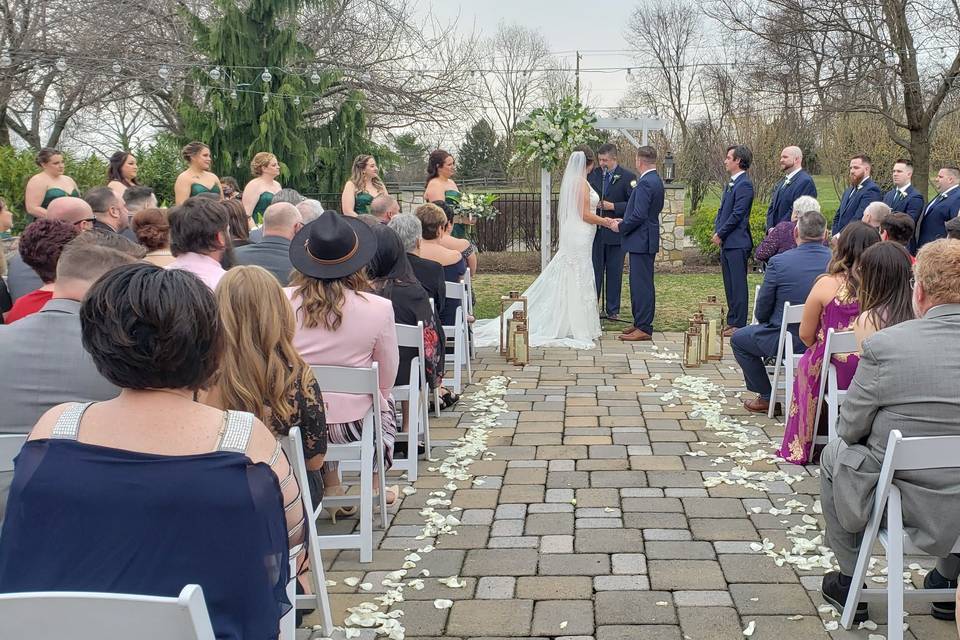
608,251
640,231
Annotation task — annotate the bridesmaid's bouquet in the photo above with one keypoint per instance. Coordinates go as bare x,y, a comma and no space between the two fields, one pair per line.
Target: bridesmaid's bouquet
477,206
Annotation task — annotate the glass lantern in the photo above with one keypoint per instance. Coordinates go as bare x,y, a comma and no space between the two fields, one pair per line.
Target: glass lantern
521,344
669,168
691,346
506,302
512,323
703,327
714,313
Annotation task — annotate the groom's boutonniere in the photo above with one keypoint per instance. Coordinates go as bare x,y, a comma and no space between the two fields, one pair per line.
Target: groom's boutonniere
633,184
614,179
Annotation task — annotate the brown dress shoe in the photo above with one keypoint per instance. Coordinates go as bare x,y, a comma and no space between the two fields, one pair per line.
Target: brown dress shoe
629,329
757,405
635,336
729,331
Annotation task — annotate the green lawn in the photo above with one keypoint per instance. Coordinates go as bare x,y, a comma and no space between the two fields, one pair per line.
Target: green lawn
826,194
677,295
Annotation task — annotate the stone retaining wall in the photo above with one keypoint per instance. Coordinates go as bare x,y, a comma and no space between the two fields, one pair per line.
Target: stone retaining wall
672,226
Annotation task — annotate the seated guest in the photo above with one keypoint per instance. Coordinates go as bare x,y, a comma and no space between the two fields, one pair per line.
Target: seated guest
383,208
288,195
875,214
781,237
280,224
428,272
199,238
436,226
898,228
953,228
139,198
833,303
906,380
293,197
40,247
393,278
7,239
339,323
151,491
885,295
153,232
260,371
21,278
108,209
788,278
239,224
464,246
309,210
231,188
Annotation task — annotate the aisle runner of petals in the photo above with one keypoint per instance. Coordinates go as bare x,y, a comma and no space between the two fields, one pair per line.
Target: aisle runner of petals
381,615
750,445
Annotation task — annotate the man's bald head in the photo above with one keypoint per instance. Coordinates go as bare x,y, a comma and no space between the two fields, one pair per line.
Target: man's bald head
791,159
73,211
282,219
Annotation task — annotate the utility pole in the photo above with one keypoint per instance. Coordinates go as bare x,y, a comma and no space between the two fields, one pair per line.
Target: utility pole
578,76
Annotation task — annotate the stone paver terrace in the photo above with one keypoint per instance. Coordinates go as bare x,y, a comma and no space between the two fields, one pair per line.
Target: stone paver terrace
605,508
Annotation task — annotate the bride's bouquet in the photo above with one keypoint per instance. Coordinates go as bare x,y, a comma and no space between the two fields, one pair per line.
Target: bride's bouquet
476,206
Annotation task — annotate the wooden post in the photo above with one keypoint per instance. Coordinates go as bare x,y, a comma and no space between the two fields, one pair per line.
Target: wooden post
545,235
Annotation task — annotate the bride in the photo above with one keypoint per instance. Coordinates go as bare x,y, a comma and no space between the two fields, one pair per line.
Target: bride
562,301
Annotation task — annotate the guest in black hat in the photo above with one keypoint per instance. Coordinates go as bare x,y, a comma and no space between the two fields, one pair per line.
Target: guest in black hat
340,322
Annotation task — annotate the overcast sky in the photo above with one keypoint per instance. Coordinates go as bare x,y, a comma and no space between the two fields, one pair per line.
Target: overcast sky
568,25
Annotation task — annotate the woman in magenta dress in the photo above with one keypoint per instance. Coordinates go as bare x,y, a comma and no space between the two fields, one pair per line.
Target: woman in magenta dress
832,304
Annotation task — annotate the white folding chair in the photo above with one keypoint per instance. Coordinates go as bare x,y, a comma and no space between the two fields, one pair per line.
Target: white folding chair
416,394
468,305
902,454
753,314
837,342
10,445
792,314
457,336
319,599
50,615
357,456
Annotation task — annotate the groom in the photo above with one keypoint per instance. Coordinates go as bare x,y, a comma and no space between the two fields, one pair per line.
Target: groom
640,231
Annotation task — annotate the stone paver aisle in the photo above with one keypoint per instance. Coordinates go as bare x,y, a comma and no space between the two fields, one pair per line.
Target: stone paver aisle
593,520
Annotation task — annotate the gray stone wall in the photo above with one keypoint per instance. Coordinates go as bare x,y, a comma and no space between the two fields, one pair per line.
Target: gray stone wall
672,226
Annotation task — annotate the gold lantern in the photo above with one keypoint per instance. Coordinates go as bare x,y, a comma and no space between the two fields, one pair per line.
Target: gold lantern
691,346
714,313
512,323
521,344
703,328
506,302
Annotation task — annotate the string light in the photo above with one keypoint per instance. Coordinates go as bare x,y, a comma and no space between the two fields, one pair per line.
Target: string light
163,72
296,100
215,74
315,78
266,98
5,59
266,76
61,65
116,67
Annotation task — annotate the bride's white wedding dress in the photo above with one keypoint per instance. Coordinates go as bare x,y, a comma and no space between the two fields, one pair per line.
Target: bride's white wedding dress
562,301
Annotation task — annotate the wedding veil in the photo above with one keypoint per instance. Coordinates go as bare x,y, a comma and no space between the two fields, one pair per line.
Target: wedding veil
571,192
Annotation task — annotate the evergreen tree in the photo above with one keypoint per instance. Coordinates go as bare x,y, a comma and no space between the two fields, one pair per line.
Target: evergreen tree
481,155
246,102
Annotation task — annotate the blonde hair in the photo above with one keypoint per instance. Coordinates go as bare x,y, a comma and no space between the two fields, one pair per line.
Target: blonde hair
322,300
937,270
260,369
359,179
432,220
260,162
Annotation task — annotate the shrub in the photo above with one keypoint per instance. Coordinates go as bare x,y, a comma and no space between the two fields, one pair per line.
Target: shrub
702,228
160,164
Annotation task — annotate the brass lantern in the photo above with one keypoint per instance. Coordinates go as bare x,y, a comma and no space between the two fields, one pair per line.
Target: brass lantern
703,327
506,302
512,324
521,344
691,346
714,313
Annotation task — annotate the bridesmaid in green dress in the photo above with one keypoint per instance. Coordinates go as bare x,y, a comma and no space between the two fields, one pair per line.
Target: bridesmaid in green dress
259,192
122,172
440,186
48,185
197,178
363,187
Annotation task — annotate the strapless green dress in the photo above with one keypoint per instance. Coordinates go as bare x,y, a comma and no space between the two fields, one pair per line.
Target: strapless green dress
53,193
262,203
452,196
196,189
362,202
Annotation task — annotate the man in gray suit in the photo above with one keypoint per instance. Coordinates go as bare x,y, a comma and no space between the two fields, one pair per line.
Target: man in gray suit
280,223
906,380
45,363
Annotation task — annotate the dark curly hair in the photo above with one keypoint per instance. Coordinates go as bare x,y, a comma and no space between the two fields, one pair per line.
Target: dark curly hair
41,244
194,225
147,327
151,228
115,168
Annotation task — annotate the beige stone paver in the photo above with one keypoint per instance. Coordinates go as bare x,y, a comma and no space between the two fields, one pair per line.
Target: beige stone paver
593,514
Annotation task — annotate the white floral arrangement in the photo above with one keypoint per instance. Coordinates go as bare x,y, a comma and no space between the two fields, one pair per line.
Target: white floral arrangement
550,133
476,206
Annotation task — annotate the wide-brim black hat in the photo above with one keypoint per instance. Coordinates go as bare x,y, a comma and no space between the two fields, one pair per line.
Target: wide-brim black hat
332,246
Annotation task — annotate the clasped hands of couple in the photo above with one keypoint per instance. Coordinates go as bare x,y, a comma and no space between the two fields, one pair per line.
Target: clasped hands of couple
612,223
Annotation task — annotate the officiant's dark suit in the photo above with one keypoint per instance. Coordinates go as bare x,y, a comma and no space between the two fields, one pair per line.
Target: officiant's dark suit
640,230
608,252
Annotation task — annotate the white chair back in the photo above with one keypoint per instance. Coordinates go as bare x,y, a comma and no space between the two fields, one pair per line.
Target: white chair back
52,615
753,314
468,306
457,336
416,393
837,342
10,445
792,314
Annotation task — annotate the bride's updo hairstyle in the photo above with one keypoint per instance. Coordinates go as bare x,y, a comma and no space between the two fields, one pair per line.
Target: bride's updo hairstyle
588,152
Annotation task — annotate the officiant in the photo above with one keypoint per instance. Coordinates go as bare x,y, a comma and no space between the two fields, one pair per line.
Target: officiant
614,184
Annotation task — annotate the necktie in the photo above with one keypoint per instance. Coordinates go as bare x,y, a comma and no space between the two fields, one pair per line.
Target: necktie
607,178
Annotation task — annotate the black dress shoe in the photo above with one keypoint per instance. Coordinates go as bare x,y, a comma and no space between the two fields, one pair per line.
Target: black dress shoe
835,593
400,449
941,610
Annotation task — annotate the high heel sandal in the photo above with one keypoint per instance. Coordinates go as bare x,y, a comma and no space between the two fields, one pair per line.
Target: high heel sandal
395,490
337,512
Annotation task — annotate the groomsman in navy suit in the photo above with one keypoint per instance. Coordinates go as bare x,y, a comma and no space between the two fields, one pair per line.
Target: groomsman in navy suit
732,234
861,192
795,183
944,207
640,230
904,197
612,182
